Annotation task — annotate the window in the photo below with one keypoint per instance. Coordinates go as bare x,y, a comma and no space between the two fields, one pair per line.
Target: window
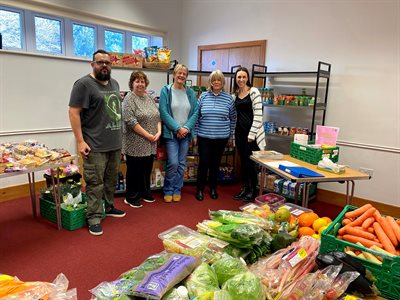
48,35
139,43
114,41
11,29
157,41
83,39
26,30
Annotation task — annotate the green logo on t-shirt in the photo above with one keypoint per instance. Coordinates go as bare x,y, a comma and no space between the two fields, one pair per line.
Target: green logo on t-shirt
113,109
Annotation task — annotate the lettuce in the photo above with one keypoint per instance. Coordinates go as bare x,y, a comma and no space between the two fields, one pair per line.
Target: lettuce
245,286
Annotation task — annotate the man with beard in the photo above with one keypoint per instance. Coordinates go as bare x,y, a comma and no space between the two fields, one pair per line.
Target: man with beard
95,117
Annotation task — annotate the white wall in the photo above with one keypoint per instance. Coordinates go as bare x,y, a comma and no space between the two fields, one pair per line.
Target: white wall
360,38
34,90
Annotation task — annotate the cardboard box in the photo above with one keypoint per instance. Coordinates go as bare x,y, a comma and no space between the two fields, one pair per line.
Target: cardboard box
132,61
116,59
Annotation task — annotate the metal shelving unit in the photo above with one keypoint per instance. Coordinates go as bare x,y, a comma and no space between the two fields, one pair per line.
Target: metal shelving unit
314,83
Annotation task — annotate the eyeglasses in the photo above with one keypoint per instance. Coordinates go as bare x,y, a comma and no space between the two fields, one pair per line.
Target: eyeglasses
101,63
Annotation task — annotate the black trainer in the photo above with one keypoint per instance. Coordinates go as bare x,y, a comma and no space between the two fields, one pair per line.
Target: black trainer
148,198
95,229
133,203
115,212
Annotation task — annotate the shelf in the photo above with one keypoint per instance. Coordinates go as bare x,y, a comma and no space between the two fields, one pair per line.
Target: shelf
281,136
204,73
320,106
322,74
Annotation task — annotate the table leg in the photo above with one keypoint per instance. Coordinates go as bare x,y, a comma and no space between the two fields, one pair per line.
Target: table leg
305,194
349,197
262,182
297,193
32,192
57,196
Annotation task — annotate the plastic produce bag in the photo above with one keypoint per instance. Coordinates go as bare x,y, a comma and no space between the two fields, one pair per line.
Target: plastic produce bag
13,288
227,267
202,280
152,279
216,295
245,286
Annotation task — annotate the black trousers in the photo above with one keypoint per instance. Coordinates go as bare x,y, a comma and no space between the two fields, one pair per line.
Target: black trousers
248,168
138,171
210,154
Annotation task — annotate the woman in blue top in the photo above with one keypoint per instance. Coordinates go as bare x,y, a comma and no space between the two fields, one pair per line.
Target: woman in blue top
178,111
214,129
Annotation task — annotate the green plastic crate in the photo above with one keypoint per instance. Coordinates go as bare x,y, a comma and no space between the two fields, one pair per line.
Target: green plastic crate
70,219
387,274
313,155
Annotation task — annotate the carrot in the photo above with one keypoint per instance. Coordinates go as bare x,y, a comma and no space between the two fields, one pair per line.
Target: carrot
346,221
395,227
342,230
377,215
368,213
383,238
358,212
354,239
359,232
398,222
368,222
388,230
340,237
371,230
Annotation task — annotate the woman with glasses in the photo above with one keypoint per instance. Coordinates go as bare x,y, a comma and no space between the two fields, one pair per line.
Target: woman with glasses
141,132
249,132
215,129
178,111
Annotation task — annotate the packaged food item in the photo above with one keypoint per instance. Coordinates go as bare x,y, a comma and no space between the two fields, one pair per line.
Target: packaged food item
164,55
151,54
183,240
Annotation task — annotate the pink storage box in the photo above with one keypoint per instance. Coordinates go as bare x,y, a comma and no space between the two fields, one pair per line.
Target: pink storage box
273,200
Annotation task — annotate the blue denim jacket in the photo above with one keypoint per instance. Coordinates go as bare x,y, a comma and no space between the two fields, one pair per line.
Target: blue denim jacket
170,126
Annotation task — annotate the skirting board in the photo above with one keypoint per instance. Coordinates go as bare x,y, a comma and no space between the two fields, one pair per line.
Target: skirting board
340,200
19,191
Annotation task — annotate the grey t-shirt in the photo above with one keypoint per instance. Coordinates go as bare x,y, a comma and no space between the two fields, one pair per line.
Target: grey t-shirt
101,113
180,106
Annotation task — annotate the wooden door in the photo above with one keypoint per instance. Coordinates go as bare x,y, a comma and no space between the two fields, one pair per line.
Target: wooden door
225,56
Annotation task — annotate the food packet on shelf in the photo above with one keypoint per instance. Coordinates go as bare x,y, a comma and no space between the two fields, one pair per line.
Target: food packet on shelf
151,54
164,55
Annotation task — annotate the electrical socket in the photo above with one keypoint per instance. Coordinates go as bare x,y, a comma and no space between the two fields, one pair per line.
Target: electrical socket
368,171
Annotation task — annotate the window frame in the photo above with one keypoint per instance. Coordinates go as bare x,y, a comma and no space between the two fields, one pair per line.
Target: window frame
69,37
22,14
132,34
28,30
62,33
102,31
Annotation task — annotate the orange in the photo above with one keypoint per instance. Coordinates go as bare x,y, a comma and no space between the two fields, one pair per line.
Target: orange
307,219
306,231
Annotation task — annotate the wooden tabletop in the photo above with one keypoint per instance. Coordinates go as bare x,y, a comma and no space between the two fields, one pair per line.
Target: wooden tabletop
349,173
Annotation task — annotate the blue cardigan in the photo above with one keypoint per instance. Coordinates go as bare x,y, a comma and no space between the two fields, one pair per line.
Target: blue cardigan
170,126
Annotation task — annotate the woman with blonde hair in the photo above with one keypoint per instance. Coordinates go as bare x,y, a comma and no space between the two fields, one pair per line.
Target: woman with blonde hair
178,111
215,129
